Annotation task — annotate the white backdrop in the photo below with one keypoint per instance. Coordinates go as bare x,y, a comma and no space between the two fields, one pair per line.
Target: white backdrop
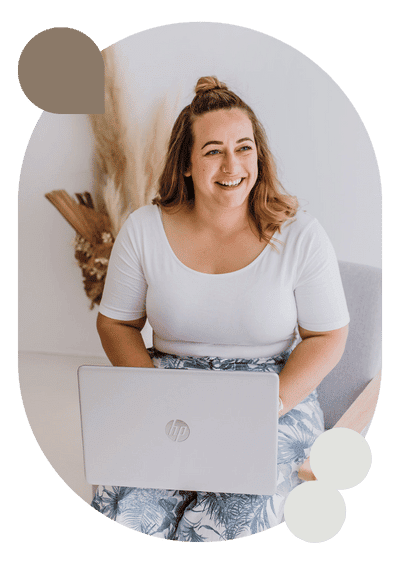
323,152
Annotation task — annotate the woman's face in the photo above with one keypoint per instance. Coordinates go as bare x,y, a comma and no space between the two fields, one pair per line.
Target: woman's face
224,158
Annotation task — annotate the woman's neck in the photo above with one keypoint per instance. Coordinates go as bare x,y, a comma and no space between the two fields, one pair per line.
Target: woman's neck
220,221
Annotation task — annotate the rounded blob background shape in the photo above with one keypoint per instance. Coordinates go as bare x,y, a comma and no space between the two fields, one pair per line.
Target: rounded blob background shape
320,143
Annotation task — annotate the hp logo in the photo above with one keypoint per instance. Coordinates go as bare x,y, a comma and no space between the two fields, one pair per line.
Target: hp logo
177,430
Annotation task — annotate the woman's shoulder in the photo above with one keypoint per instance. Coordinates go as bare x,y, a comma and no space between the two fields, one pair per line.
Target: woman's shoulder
299,224
141,218
138,223
144,213
303,232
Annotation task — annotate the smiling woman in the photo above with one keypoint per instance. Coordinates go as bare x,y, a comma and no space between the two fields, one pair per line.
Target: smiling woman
219,160
212,127
203,266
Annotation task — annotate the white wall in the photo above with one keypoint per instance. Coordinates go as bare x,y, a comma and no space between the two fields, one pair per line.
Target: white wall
322,149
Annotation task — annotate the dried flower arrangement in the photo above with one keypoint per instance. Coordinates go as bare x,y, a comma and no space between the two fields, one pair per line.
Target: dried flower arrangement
93,240
121,186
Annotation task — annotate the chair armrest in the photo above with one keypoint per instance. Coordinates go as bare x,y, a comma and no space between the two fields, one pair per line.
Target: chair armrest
357,417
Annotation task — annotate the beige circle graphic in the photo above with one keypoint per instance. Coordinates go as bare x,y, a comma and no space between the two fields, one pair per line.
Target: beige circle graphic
61,70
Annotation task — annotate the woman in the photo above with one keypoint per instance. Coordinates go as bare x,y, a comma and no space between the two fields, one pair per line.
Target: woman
231,275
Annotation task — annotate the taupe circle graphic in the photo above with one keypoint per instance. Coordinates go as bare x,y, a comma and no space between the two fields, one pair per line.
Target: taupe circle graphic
61,70
177,430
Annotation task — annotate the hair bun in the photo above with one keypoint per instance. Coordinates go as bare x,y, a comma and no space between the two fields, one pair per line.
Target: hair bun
207,83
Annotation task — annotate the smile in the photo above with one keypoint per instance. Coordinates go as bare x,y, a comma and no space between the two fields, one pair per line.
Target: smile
233,184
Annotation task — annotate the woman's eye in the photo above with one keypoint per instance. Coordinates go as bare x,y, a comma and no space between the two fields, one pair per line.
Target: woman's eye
215,152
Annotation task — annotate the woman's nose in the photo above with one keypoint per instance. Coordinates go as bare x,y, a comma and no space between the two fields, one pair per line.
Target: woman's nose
229,163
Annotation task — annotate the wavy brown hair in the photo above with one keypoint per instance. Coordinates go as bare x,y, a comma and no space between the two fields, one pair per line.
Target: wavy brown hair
269,205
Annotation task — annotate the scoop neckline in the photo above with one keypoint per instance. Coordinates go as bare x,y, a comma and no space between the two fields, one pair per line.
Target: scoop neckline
175,257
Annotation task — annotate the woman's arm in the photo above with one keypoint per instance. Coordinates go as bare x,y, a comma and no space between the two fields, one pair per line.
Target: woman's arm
308,364
123,342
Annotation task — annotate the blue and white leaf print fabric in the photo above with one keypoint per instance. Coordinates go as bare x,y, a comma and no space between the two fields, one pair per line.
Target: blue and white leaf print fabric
200,516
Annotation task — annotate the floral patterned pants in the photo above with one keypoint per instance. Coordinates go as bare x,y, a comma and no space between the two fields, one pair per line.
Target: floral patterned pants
199,516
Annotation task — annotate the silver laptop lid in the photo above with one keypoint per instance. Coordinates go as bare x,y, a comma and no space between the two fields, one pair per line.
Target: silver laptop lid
193,430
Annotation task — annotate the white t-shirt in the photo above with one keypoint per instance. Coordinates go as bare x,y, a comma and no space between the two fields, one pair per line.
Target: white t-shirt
249,313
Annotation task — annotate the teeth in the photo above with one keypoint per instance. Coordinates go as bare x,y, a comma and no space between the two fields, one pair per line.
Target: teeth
235,183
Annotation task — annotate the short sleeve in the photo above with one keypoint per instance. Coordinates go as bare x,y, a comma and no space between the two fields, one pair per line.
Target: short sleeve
124,295
319,294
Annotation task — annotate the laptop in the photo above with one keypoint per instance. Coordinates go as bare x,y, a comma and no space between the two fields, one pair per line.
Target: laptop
191,430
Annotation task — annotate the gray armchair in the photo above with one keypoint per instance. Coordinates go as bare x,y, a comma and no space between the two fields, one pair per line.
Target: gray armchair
348,394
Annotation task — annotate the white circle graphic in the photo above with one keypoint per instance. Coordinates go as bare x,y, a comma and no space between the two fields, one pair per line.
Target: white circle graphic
341,458
314,512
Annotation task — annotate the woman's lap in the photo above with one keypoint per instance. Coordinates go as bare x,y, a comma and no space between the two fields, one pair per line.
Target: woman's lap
200,516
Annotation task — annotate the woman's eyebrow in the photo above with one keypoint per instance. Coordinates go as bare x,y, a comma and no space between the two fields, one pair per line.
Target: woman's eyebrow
221,143
212,142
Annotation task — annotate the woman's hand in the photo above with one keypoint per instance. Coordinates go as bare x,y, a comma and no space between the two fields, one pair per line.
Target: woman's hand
315,356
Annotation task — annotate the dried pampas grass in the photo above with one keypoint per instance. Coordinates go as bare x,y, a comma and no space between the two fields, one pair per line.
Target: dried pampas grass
156,145
110,159
146,148
114,204
129,162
